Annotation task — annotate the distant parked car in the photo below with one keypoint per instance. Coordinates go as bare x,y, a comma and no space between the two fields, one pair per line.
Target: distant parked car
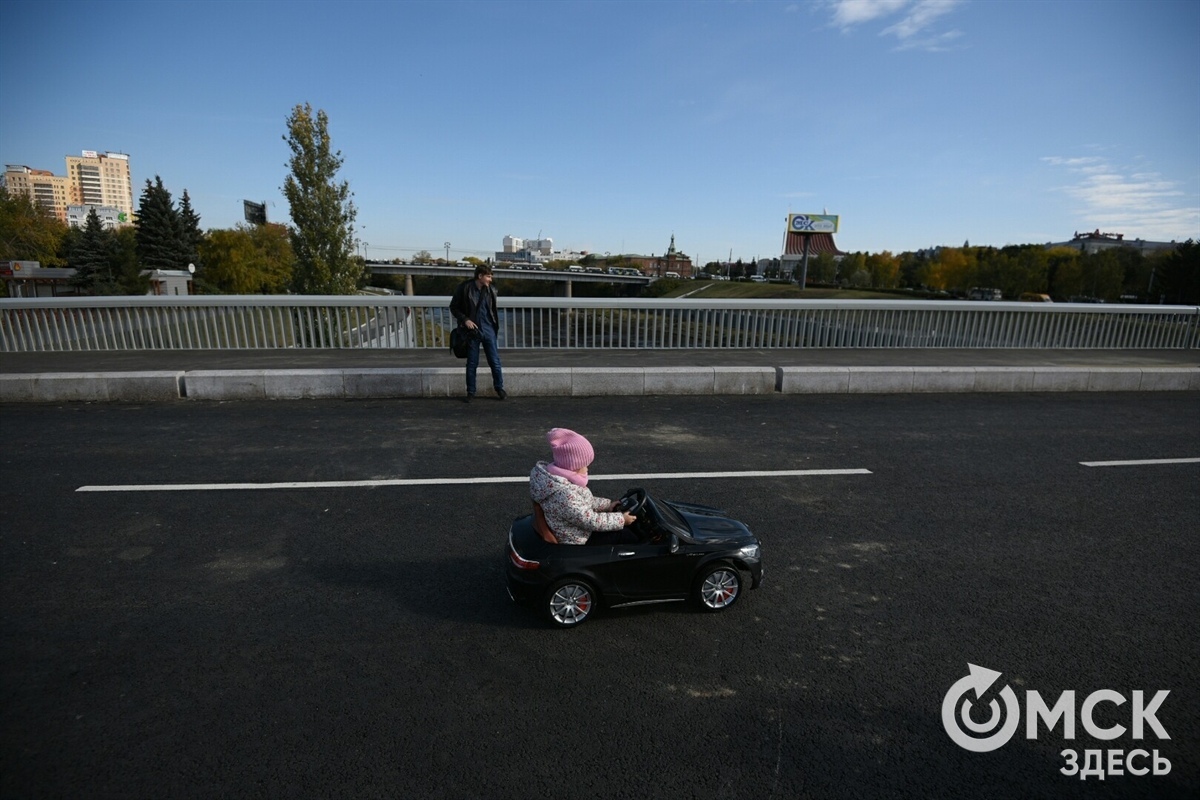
978,293
1035,297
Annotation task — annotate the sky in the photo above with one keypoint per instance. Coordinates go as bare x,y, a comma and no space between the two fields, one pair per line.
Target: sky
612,126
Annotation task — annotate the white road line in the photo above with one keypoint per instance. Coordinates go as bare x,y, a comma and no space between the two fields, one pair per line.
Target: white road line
210,487
1142,463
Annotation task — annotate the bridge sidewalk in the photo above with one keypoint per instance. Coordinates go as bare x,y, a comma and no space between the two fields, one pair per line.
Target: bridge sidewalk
186,360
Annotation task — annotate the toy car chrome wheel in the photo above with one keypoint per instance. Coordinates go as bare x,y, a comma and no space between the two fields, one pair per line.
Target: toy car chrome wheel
718,588
569,602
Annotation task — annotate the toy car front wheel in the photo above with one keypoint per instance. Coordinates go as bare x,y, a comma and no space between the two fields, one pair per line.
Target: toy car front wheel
717,588
569,602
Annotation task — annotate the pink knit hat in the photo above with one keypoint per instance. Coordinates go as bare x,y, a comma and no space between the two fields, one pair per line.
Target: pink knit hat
571,451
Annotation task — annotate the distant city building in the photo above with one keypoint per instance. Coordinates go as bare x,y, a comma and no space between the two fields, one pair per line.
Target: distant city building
101,180
48,191
793,247
169,281
673,261
92,179
111,217
31,279
525,251
1096,242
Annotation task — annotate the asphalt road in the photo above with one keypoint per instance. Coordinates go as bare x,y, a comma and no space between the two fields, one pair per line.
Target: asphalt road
350,641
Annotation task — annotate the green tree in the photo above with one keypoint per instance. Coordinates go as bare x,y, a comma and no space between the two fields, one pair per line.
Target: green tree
161,242
322,212
125,266
822,268
1177,275
189,222
1063,273
93,257
28,232
854,269
247,260
1104,274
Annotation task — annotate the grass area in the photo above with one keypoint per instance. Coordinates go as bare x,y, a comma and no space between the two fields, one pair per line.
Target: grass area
771,291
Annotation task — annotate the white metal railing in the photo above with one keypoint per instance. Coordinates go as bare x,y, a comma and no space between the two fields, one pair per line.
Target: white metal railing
221,322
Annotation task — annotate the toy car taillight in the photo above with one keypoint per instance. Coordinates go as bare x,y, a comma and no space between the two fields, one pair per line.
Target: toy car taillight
518,561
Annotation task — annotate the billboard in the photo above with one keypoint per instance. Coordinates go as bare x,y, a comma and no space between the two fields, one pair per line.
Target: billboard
812,223
256,213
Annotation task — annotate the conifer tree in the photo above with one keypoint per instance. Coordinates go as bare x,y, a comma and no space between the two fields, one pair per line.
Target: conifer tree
322,212
92,258
189,221
160,237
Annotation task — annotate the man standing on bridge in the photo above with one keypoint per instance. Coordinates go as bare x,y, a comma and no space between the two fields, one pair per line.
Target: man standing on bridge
474,306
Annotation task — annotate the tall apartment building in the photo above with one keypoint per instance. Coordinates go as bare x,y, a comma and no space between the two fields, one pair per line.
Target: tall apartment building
92,179
44,188
101,180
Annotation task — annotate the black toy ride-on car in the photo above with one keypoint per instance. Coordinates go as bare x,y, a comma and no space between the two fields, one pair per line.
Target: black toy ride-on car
684,552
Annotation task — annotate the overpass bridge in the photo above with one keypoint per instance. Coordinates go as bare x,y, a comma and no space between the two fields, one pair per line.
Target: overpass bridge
562,279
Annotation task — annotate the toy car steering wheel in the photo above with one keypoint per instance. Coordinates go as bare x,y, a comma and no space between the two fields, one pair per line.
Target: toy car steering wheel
633,502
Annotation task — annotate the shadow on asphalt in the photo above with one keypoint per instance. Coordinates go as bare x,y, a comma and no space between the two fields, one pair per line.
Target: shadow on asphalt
468,589
460,590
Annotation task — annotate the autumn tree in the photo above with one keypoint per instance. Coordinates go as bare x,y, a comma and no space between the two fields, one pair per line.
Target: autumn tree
250,259
322,212
884,269
28,232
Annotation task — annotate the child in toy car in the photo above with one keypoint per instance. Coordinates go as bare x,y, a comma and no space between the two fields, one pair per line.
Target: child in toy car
559,488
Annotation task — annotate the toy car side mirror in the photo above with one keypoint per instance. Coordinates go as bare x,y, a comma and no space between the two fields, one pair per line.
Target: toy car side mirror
674,543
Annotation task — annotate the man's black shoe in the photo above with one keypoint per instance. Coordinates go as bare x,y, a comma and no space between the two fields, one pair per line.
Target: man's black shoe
501,394
468,398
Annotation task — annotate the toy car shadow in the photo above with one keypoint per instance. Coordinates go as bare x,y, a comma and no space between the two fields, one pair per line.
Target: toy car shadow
684,552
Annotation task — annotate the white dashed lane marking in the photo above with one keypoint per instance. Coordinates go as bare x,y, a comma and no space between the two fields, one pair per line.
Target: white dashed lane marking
1142,463
220,487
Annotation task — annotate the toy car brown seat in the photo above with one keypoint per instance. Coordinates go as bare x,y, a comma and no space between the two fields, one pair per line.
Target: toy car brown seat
541,526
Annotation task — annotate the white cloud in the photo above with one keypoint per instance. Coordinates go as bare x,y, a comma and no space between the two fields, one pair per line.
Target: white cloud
922,15
1137,203
847,13
913,30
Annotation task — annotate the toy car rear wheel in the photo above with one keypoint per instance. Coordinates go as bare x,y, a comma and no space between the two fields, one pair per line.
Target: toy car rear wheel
569,602
717,588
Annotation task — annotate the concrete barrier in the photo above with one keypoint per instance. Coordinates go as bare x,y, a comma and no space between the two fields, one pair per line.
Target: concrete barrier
56,387
887,380
236,384
289,384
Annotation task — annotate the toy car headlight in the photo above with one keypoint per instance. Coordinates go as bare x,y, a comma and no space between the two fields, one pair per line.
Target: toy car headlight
749,551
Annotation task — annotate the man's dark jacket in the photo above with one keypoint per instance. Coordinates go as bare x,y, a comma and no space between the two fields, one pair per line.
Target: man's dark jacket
466,301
